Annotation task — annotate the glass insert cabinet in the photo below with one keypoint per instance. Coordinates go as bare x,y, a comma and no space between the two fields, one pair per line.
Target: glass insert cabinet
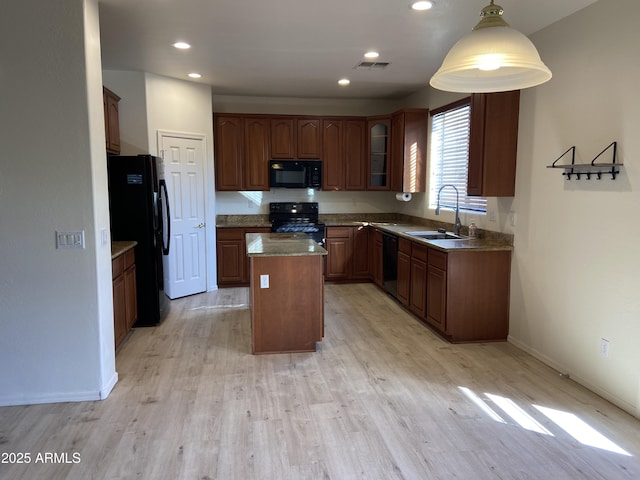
379,130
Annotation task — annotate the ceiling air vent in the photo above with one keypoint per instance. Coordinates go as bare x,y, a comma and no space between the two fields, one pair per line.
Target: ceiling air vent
371,65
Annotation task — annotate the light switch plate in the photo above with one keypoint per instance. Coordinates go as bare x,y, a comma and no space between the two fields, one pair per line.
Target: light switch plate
264,281
66,240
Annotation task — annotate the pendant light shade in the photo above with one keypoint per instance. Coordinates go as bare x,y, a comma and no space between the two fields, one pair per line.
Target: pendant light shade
492,58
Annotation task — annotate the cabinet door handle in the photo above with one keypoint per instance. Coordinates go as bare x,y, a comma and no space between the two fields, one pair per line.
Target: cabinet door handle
200,225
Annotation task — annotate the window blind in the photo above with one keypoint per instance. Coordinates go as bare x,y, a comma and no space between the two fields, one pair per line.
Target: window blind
450,159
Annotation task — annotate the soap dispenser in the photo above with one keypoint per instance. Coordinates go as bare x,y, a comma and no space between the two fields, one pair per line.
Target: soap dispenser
473,230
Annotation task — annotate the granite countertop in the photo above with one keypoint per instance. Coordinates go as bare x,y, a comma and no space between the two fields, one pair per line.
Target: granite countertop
120,247
240,221
282,244
446,245
396,224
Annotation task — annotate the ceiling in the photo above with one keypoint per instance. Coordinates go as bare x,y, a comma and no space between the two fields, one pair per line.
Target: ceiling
300,48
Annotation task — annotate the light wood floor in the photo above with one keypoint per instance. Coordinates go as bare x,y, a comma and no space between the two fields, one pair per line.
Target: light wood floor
379,400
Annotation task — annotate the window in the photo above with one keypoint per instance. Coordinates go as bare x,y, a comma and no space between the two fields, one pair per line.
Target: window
450,157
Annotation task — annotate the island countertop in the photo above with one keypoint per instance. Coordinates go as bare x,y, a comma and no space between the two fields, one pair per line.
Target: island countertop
281,244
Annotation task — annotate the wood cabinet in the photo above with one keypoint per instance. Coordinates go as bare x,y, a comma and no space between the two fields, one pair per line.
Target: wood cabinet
468,294
377,254
379,133
309,135
289,315
256,154
229,146
231,255
339,245
360,269
418,283
125,303
283,137
409,150
295,137
437,289
493,142
241,152
357,153
344,154
111,120
347,253
404,271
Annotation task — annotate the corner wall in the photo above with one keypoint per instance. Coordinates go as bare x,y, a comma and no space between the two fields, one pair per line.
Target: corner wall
56,312
575,269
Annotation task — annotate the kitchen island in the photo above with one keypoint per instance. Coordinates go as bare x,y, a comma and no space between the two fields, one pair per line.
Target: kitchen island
287,292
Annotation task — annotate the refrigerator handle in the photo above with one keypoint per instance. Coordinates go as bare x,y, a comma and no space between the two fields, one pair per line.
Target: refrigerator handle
164,213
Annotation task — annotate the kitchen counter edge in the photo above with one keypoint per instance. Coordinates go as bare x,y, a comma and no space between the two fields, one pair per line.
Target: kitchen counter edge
120,247
282,245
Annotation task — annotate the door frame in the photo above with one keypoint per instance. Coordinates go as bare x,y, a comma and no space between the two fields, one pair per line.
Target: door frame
209,200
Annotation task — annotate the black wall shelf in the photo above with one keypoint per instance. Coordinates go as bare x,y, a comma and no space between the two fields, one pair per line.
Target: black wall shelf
588,169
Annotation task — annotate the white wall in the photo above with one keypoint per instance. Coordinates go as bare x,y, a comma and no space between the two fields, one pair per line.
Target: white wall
575,266
56,314
575,269
183,106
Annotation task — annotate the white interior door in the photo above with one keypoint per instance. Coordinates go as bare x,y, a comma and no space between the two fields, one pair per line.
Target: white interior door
185,266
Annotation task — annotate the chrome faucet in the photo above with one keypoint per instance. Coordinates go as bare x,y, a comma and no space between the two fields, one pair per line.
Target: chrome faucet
458,225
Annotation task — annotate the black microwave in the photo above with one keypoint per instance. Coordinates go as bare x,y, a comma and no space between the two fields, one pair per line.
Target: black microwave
295,174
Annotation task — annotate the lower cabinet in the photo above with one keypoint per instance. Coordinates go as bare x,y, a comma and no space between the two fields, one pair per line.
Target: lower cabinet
360,268
418,286
231,255
468,294
404,271
462,294
377,253
125,304
339,245
347,253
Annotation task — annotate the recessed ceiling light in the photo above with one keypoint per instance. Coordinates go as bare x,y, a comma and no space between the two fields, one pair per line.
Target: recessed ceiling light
182,45
344,82
194,75
371,54
422,5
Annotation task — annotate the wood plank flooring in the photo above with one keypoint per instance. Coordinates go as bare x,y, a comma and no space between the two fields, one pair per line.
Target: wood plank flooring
380,399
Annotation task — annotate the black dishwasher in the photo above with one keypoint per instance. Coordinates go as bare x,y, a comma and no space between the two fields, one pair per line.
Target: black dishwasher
390,263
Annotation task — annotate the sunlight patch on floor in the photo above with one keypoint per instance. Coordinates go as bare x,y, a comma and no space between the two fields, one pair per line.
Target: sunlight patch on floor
580,430
569,422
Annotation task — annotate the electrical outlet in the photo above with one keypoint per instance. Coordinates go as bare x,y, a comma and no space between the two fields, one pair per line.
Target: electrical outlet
264,281
604,347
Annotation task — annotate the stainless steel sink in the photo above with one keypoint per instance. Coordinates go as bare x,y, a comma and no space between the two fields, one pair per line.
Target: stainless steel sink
433,235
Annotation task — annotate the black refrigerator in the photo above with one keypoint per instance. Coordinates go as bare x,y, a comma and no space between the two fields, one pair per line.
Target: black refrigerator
139,210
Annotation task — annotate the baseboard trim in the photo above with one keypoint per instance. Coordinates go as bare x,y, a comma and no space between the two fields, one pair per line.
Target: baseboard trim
562,369
12,401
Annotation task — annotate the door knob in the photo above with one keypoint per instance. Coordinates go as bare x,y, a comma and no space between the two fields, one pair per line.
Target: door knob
200,225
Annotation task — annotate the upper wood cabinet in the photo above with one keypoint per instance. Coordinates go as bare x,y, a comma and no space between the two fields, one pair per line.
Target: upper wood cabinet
379,133
409,150
283,137
309,135
493,144
110,103
295,137
241,152
256,153
343,158
228,146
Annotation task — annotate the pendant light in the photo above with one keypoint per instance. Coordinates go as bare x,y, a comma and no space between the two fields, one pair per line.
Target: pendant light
492,58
